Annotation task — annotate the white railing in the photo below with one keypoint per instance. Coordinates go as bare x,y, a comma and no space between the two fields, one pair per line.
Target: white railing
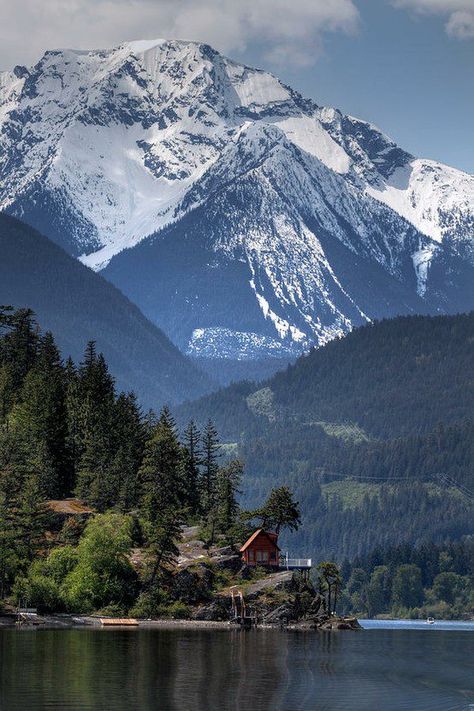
295,562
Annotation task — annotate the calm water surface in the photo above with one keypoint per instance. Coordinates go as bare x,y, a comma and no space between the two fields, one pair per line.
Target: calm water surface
370,670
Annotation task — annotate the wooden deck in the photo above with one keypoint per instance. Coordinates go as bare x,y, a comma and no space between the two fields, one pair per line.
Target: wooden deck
121,621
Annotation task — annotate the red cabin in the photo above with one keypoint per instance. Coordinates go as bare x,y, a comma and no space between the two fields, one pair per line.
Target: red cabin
261,549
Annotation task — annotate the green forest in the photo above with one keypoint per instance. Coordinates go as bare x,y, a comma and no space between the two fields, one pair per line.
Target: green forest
372,427
66,432
402,581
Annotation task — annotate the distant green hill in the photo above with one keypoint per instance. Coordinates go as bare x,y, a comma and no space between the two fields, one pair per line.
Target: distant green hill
396,377
359,429
79,305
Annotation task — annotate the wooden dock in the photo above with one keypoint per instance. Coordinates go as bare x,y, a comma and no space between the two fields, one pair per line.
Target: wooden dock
118,621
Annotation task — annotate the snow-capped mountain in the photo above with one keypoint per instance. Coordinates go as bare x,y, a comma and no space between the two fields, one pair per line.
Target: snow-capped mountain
244,219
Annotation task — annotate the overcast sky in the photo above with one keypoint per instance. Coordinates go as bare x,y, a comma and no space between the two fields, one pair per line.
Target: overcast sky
406,65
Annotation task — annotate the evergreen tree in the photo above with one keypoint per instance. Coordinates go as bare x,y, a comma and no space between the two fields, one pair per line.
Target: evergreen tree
210,457
31,519
281,511
192,459
98,398
18,348
10,559
162,494
160,472
162,535
128,445
40,419
227,508
74,436
378,590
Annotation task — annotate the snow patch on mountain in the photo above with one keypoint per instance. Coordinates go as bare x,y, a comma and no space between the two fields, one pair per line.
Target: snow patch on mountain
425,193
421,261
237,345
307,133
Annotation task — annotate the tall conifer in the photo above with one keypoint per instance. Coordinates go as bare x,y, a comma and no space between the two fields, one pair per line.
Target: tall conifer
192,460
210,457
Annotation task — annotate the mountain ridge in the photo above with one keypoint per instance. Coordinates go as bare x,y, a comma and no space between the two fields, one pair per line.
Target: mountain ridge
78,306
392,378
131,155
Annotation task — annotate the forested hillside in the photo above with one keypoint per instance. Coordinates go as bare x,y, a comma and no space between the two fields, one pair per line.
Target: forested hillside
371,428
395,377
79,305
65,431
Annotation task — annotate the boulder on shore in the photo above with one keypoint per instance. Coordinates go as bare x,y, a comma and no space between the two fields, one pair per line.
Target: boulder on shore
193,584
215,611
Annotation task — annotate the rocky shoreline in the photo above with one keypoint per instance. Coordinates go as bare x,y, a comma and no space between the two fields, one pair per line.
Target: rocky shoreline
212,588
64,621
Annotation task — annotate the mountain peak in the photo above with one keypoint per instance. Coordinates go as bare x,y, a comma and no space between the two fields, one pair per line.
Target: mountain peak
141,46
112,151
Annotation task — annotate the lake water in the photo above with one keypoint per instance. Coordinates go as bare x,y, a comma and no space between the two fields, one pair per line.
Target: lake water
160,669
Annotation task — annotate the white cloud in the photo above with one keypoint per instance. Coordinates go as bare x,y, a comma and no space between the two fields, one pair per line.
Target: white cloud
282,30
459,13
461,24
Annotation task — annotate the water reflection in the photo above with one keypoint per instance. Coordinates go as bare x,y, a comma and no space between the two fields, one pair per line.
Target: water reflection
258,670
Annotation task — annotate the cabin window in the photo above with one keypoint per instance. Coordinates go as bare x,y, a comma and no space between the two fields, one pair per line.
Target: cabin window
273,555
262,556
251,555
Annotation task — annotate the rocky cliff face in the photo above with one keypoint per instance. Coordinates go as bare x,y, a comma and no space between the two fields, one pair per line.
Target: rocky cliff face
242,218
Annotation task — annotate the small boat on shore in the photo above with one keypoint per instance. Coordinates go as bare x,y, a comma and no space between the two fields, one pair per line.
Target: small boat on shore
430,621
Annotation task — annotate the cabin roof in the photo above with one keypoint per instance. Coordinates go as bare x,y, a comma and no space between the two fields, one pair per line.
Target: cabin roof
260,531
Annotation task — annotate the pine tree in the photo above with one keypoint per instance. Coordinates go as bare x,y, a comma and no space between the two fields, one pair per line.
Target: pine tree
18,348
160,472
227,507
20,345
192,460
31,519
210,456
281,510
329,582
74,443
40,419
129,442
162,493
9,557
163,534
97,395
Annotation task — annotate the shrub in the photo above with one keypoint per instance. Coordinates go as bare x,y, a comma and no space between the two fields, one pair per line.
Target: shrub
178,611
151,604
103,575
38,591
60,562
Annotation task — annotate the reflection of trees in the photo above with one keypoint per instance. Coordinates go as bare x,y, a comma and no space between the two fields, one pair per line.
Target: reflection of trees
162,670
224,670
231,670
